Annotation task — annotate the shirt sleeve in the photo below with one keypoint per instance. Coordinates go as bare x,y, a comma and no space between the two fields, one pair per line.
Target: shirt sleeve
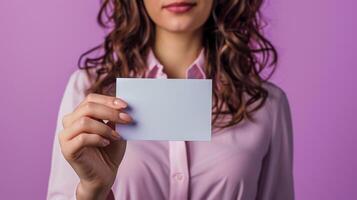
276,179
62,179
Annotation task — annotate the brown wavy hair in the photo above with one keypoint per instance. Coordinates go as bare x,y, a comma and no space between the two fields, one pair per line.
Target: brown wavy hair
236,53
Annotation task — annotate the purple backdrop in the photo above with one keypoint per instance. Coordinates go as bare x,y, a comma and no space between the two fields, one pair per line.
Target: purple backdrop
40,42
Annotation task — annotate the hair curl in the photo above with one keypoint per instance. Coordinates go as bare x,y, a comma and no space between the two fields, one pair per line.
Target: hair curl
236,53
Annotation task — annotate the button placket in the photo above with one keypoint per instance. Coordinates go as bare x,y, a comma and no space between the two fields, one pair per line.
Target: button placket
179,181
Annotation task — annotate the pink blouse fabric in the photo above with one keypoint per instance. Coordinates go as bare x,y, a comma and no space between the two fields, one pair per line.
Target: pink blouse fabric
248,161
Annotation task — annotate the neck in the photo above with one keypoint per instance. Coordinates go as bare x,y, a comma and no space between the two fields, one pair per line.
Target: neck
176,51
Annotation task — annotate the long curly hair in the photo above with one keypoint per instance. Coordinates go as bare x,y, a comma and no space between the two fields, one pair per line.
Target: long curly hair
236,53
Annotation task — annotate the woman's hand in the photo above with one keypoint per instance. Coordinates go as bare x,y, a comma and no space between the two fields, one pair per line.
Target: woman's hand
92,147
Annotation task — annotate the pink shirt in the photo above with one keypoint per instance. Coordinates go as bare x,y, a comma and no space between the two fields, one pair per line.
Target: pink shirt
247,161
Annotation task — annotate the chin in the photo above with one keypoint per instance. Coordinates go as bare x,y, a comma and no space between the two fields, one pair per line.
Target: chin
179,26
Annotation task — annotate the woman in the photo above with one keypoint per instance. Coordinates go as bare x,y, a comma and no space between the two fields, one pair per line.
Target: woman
250,155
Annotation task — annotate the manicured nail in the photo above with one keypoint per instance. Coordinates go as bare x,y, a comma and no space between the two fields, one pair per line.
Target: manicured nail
120,103
125,117
105,142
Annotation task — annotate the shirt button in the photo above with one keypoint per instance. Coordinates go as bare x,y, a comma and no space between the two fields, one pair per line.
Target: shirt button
178,176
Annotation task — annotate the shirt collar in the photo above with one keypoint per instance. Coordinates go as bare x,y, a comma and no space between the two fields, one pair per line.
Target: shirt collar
195,70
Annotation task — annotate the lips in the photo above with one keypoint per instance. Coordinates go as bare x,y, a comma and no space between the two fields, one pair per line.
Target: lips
179,7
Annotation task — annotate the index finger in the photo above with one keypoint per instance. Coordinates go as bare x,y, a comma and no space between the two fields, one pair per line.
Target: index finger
109,101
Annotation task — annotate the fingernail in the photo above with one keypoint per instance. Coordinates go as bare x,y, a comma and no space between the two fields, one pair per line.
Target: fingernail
125,117
115,135
120,103
105,142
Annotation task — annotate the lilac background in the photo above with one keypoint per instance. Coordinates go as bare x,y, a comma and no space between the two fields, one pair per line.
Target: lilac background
40,42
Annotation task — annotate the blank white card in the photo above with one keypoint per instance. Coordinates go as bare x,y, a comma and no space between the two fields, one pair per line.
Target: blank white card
166,109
